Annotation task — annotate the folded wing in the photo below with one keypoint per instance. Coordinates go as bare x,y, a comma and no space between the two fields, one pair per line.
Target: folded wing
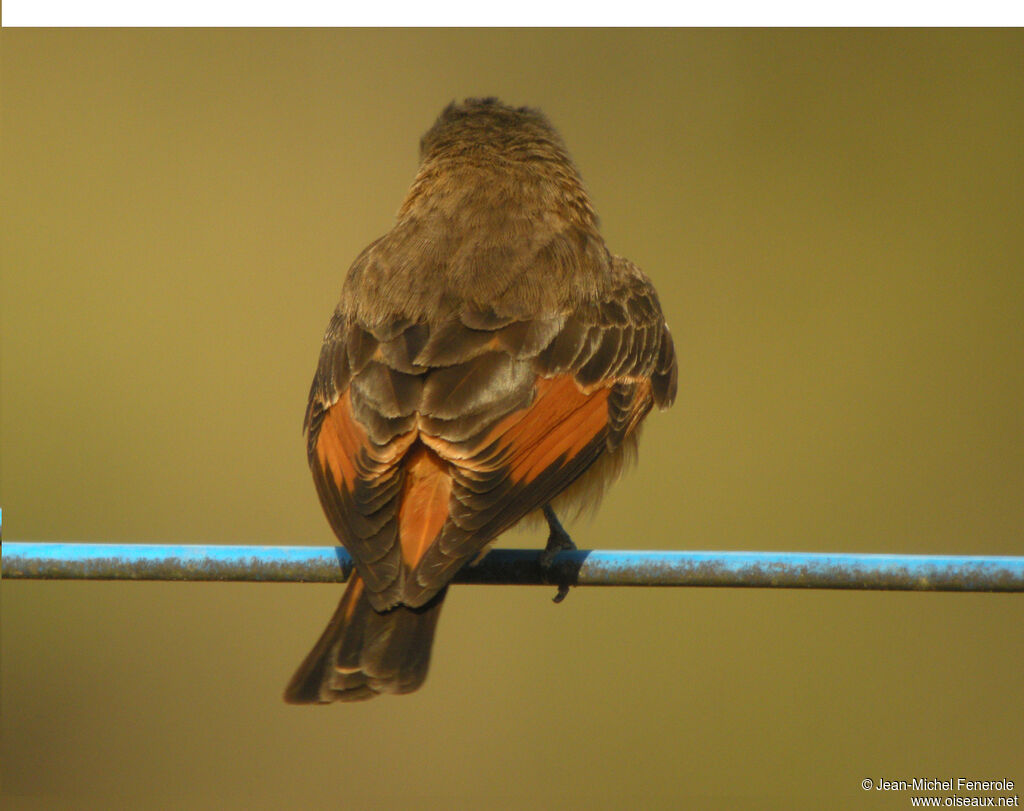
428,440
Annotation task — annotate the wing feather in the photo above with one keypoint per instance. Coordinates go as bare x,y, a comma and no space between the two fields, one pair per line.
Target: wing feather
427,440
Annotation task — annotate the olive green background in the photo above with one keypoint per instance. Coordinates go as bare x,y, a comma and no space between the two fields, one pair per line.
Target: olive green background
834,222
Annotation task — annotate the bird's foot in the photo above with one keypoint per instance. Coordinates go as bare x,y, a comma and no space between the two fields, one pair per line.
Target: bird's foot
558,541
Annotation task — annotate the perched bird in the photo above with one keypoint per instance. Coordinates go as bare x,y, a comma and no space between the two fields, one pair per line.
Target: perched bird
488,355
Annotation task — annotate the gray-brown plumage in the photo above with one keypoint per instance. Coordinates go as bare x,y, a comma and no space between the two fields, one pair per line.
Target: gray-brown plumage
488,355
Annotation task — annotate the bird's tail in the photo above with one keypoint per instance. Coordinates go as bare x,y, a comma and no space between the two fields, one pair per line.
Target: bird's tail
363,652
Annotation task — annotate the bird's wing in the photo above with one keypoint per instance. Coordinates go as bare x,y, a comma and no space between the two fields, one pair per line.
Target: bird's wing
592,376
427,441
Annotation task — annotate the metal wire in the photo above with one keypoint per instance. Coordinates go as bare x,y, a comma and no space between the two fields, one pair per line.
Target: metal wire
319,564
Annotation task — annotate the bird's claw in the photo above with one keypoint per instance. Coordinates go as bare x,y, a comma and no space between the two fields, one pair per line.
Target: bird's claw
558,541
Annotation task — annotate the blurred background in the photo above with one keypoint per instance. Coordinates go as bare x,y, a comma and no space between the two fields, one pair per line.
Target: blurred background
833,221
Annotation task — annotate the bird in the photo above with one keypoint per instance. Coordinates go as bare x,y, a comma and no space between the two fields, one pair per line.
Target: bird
489,359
